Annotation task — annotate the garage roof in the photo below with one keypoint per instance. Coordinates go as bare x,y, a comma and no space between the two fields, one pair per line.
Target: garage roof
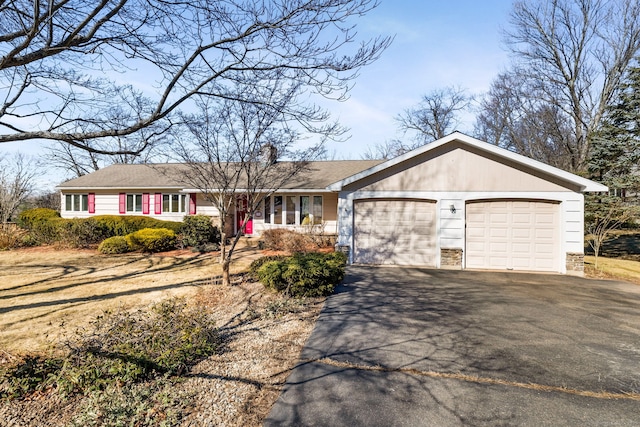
584,184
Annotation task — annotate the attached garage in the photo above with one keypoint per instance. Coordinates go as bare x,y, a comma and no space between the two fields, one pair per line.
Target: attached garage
396,231
461,203
513,235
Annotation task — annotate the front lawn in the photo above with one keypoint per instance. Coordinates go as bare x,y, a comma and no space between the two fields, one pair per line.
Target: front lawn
42,288
612,268
45,292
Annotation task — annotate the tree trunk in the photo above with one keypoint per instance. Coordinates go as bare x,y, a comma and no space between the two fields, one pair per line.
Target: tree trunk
224,258
226,277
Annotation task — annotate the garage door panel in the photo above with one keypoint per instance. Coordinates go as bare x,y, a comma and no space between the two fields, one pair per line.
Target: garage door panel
404,232
519,235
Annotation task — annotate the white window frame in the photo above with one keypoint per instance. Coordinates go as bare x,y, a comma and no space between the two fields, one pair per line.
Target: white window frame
81,200
134,197
182,203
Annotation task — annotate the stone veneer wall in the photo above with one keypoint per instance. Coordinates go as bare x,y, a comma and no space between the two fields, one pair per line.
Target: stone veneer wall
575,263
344,249
451,258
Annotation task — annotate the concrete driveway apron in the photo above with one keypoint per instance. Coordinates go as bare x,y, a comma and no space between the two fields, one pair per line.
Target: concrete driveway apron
421,347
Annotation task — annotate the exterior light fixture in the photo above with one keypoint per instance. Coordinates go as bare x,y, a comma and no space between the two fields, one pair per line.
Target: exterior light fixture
452,208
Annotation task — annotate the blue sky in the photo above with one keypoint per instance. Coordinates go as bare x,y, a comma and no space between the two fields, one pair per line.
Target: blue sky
437,44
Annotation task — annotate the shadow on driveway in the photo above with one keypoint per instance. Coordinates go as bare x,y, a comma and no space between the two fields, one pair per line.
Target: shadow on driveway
402,346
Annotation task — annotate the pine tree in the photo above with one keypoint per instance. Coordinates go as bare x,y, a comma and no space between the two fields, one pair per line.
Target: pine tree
615,149
614,157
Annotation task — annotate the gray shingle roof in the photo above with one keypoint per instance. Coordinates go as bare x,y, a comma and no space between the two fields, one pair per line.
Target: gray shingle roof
318,176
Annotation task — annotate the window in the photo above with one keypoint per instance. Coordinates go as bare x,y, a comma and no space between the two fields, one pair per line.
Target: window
305,218
290,209
134,202
310,210
77,202
174,203
267,209
317,210
277,209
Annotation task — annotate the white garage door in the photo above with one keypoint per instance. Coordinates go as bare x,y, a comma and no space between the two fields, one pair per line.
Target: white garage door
513,235
399,232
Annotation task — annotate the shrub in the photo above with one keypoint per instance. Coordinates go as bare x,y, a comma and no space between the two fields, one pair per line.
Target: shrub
114,245
31,373
152,240
29,217
120,348
310,275
256,264
197,230
11,236
81,232
278,239
118,225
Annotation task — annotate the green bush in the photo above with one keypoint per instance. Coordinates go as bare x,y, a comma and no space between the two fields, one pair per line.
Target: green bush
81,232
309,275
114,245
28,217
256,264
197,230
119,225
152,240
120,348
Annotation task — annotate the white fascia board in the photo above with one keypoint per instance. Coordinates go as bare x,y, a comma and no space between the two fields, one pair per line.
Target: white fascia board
116,188
586,184
279,190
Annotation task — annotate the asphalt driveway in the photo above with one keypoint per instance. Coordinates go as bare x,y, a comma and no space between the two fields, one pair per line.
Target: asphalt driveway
422,347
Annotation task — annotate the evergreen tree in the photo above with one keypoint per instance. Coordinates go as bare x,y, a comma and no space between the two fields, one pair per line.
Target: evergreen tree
615,151
614,157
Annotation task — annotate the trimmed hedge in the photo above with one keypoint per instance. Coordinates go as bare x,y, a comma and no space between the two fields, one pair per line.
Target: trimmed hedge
197,230
122,225
114,245
29,217
46,227
302,275
152,240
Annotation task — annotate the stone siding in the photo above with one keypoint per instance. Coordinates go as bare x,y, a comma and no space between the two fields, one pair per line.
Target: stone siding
575,263
451,258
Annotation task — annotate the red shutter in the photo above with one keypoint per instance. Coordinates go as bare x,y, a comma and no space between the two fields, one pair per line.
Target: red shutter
145,203
123,203
157,200
92,203
192,203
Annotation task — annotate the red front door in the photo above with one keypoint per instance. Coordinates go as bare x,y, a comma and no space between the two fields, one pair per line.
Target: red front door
241,214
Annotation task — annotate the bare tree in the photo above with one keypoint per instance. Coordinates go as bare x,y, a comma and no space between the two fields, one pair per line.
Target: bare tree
232,149
508,117
389,149
68,68
604,215
572,54
78,162
436,115
16,184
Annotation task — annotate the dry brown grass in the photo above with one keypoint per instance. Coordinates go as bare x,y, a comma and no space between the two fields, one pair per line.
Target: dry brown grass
44,288
613,268
263,332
